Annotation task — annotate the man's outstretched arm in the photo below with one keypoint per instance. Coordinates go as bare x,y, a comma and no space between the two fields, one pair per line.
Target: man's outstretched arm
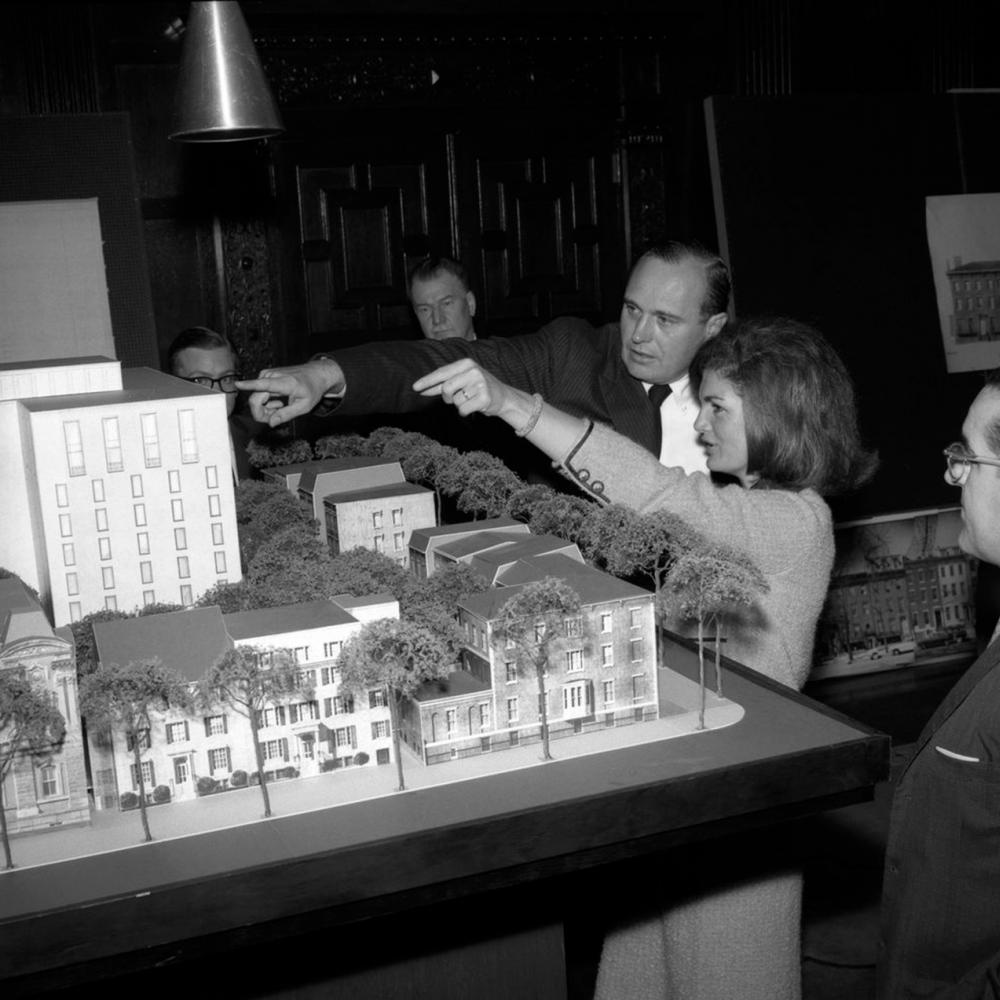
378,377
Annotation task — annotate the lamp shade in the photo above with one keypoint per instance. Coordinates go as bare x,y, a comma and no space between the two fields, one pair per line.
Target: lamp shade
222,94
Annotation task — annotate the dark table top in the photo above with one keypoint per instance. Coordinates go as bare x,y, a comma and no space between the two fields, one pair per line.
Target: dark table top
787,757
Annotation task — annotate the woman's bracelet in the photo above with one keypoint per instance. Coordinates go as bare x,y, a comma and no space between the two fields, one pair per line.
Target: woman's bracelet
536,412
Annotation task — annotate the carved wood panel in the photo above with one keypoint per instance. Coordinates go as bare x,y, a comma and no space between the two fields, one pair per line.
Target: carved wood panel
540,223
365,219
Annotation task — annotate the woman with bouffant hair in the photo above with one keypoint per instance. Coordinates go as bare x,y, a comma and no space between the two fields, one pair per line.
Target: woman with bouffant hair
799,404
778,422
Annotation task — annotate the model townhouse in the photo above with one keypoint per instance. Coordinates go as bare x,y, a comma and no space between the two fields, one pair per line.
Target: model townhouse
317,728
361,502
118,490
604,674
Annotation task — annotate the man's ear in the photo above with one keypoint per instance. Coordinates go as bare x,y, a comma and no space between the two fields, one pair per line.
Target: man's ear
715,323
470,297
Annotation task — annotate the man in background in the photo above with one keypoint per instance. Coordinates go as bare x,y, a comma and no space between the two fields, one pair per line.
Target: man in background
632,374
207,358
940,933
442,300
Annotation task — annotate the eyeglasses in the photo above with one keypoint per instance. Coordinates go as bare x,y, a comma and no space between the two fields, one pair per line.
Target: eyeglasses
226,384
960,460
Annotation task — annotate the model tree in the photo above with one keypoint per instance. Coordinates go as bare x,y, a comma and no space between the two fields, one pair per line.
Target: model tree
268,455
248,679
124,697
30,726
627,543
293,565
340,446
265,508
708,585
543,617
399,657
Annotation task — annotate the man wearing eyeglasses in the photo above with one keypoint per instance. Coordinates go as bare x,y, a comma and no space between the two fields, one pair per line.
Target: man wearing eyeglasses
205,357
941,889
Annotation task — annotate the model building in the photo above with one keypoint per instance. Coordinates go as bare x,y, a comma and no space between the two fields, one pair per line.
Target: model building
118,490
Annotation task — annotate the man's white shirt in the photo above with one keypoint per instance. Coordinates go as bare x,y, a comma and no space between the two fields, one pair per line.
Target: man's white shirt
678,413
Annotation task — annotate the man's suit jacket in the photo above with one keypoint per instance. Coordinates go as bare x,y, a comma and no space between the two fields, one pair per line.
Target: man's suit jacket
573,365
941,890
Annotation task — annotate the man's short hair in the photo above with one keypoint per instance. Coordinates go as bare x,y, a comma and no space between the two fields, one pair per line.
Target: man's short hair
718,284
799,410
429,267
201,337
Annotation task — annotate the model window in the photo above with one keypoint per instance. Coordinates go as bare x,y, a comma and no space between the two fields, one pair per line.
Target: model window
220,562
177,732
189,440
173,481
150,440
48,780
217,533
62,495
104,547
215,725
74,448
214,505
108,577
137,486
112,445
212,477
148,775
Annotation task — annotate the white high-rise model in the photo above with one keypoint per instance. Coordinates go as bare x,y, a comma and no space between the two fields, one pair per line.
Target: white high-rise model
118,489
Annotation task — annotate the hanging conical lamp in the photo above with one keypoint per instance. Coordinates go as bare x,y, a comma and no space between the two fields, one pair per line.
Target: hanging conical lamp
222,94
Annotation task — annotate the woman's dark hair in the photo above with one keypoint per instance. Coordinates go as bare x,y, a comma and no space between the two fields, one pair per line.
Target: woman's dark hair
798,404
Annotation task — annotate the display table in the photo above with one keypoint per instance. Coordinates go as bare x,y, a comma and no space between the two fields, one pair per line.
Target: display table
454,888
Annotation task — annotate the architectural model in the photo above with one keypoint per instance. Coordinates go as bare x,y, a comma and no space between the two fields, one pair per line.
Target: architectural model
360,502
317,731
139,446
47,791
119,486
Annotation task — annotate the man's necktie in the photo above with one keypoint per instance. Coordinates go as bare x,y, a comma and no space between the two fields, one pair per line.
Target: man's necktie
657,394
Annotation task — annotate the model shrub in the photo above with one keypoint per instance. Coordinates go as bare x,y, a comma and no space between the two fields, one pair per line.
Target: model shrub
161,793
238,779
361,758
327,765
255,777
128,800
207,785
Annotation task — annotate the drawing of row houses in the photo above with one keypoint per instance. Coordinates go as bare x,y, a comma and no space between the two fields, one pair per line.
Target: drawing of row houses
321,729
